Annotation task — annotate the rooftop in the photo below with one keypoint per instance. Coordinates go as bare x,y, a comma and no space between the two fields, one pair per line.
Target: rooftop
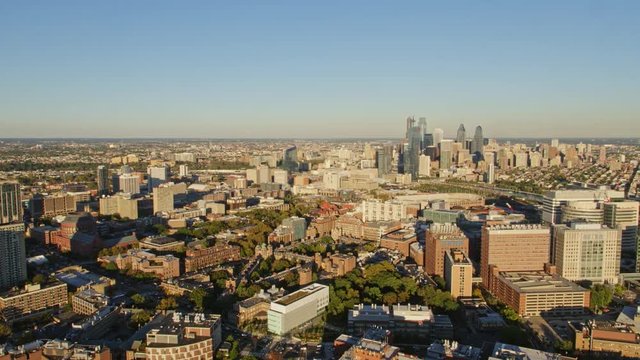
300,294
538,281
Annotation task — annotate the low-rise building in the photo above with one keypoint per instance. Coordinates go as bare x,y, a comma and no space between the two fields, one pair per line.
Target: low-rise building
297,308
32,300
399,240
181,336
534,293
161,243
197,259
166,266
251,309
88,301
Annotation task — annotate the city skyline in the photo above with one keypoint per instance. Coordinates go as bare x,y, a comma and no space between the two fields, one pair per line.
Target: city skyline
309,71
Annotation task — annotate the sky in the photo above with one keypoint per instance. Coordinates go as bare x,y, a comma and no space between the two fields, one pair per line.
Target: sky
309,69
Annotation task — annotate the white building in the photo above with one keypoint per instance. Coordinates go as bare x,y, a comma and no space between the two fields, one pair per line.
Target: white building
554,200
424,165
376,210
281,176
129,184
625,215
587,251
295,309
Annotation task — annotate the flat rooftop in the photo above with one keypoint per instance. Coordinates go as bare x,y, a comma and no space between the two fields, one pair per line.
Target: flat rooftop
300,294
538,281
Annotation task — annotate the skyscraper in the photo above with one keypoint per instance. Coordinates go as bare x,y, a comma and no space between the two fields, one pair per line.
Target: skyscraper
102,179
438,135
478,143
13,266
422,124
412,153
10,204
384,159
446,153
411,122
461,136
129,183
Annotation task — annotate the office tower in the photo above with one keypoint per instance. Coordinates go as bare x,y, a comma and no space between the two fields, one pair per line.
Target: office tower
129,184
157,175
438,135
477,144
422,124
461,136
555,143
290,159
458,273
587,251
384,159
513,248
490,175
10,204
424,169
184,170
446,153
411,122
441,238
624,214
554,200
521,159
428,140
102,179
13,266
412,152
162,199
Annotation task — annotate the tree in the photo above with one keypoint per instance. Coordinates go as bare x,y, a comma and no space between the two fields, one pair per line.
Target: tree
564,346
167,304
39,279
198,296
509,314
138,299
5,330
477,293
601,296
439,280
140,317
111,266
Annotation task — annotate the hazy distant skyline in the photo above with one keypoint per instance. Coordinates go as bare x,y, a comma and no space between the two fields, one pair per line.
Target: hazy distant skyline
333,69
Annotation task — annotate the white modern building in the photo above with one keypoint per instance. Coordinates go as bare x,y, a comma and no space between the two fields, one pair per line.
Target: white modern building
295,309
587,251
554,200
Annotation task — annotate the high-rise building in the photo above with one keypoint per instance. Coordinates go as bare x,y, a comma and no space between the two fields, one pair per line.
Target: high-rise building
554,200
384,159
129,184
102,179
461,136
411,122
438,135
555,143
422,124
587,251
412,152
281,176
446,153
162,199
264,174
458,273
13,266
10,203
184,170
424,169
290,159
440,239
624,214
157,175
477,144
522,247
490,176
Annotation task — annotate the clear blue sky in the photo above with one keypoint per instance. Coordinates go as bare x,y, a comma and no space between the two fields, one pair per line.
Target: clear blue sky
318,68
